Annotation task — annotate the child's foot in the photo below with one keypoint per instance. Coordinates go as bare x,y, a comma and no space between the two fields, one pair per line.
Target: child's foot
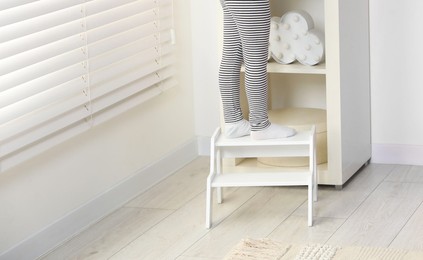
238,129
274,131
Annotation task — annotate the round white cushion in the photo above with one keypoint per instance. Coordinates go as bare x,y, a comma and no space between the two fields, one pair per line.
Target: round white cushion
300,119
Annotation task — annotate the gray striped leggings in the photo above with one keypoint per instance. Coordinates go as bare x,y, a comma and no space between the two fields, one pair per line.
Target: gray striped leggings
246,39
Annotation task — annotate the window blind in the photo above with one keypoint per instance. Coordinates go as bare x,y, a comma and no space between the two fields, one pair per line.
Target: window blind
68,65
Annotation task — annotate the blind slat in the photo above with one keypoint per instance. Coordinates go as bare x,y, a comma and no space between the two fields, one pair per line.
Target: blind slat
99,15
119,53
42,68
51,96
39,39
48,51
10,4
12,131
133,100
97,7
35,22
43,131
35,9
11,160
39,85
130,76
123,93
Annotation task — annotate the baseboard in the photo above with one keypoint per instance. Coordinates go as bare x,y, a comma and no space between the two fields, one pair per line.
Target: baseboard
101,206
397,154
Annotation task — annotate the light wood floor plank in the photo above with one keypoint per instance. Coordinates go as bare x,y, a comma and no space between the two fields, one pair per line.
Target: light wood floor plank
257,218
295,230
198,258
176,190
110,235
411,236
342,203
406,173
379,219
171,237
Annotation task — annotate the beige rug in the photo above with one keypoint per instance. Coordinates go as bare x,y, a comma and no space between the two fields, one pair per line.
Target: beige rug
266,249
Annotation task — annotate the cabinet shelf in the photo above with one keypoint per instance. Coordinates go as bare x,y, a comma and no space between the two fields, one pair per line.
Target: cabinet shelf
294,68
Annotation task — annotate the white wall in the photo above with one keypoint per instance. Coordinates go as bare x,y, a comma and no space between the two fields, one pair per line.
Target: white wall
206,33
397,92
46,189
397,82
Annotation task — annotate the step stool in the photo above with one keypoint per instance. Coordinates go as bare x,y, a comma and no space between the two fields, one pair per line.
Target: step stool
300,145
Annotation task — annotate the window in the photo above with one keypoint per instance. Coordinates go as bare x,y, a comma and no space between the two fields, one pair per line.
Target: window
68,65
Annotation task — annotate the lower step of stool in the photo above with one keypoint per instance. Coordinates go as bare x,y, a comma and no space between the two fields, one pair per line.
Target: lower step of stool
257,179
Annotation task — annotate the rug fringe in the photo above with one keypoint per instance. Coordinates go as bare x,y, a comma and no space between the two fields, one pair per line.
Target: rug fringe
267,249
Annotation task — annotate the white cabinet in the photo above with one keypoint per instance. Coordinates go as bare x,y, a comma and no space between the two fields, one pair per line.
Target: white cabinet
347,88
340,84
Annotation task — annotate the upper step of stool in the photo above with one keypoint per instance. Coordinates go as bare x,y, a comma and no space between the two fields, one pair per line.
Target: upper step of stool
301,138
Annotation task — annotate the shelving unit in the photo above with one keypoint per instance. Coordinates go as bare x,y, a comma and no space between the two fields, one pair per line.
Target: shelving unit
340,84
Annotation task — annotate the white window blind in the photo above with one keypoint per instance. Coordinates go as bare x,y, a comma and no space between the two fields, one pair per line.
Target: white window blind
68,65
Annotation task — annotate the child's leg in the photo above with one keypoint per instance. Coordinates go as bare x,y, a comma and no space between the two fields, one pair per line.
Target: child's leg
229,79
252,20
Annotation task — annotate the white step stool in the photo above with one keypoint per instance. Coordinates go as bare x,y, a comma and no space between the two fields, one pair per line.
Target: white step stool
300,145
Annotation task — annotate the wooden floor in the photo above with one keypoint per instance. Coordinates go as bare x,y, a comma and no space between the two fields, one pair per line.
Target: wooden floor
381,206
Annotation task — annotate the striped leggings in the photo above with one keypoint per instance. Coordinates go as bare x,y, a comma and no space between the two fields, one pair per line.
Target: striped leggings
246,39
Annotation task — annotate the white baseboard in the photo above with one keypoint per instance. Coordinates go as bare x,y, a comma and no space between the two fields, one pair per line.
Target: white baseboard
397,154
101,206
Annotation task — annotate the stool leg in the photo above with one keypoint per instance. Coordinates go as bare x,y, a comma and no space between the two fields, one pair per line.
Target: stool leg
209,184
219,191
219,194
315,180
313,165
315,188
310,204
208,204
315,183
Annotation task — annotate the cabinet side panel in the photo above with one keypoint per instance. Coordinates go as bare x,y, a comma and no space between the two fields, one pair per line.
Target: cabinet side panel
333,104
355,85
